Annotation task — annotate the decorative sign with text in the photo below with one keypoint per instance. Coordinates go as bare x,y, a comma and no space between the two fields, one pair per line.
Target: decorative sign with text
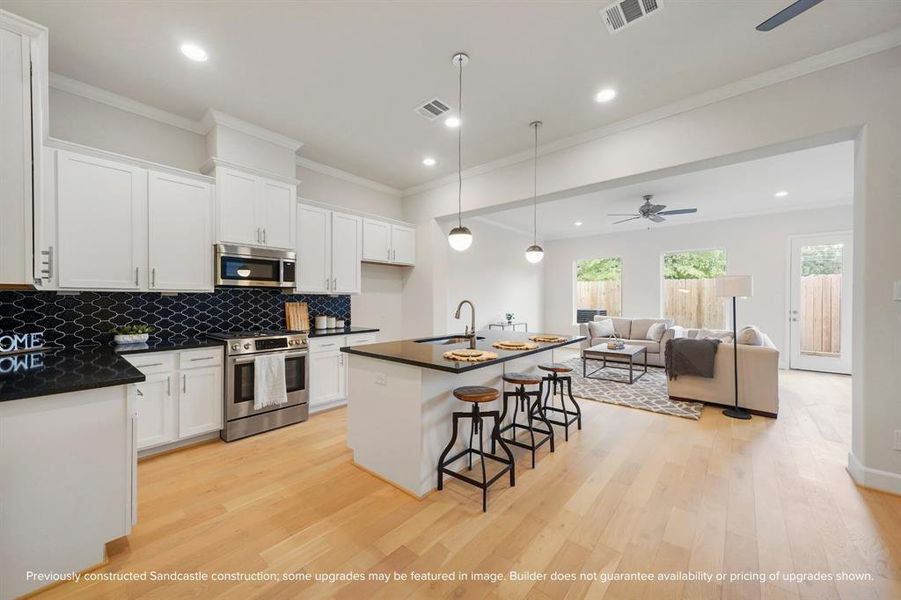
15,343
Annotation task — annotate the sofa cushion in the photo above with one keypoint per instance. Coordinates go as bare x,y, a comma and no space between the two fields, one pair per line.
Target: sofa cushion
750,336
623,327
600,328
651,347
655,332
640,327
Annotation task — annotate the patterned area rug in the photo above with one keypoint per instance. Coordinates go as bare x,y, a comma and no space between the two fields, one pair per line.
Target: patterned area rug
648,393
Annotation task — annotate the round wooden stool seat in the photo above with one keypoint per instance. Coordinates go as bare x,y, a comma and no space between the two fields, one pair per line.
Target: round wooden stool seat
476,393
555,368
521,378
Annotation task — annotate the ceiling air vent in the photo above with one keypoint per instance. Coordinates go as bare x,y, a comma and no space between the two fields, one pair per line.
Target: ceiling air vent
432,109
620,15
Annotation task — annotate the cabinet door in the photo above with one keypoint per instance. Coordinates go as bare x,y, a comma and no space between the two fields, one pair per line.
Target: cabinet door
346,253
15,159
314,260
403,245
155,423
276,205
376,241
200,402
102,223
237,199
327,378
181,235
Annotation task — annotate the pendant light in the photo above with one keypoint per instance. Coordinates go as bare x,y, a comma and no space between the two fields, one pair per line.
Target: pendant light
534,253
460,238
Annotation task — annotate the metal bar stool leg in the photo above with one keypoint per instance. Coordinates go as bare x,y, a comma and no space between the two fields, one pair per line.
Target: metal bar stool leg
569,392
496,435
450,444
538,410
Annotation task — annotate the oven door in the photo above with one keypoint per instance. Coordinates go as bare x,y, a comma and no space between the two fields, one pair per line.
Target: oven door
240,384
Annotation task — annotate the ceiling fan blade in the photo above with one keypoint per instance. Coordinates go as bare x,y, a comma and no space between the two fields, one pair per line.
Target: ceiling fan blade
656,208
624,220
657,218
786,14
679,211
623,215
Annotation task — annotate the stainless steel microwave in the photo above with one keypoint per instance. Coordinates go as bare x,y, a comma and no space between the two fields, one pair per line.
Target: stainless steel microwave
254,267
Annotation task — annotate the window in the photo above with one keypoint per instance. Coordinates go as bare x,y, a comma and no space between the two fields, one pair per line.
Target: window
598,287
689,294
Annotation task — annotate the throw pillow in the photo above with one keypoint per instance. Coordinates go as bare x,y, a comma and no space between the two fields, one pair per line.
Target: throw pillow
602,328
655,332
707,334
750,336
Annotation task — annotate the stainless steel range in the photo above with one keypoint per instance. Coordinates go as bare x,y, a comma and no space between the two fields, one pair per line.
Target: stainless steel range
242,347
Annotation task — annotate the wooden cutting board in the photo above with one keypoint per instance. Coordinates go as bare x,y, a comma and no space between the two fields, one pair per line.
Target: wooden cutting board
297,317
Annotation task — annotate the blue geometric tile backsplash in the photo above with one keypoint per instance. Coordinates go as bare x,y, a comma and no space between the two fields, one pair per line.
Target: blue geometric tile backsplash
85,319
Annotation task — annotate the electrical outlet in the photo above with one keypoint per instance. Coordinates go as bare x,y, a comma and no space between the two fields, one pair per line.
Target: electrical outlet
897,439
382,379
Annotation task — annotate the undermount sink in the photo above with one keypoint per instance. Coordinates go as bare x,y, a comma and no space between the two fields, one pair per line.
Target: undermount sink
448,340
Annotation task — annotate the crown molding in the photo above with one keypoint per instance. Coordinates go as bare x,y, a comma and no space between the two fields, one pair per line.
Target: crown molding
812,64
85,90
210,166
214,117
337,173
22,25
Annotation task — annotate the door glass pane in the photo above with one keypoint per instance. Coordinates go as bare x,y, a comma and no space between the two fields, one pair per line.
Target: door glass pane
820,306
295,371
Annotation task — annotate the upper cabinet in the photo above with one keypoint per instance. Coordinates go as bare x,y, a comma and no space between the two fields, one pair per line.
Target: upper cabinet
254,210
329,251
388,243
23,77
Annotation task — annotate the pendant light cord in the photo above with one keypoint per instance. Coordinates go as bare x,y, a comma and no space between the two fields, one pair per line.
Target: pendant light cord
536,124
460,146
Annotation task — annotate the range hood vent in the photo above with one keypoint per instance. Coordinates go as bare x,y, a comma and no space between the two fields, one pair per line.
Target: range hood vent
620,15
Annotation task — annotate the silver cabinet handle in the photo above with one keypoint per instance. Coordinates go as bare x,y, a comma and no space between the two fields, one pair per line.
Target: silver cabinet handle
153,277
149,365
264,235
258,235
184,383
327,281
136,276
140,393
204,358
49,254
335,284
169,385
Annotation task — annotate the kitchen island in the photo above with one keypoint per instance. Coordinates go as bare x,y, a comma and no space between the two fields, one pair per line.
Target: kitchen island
399,400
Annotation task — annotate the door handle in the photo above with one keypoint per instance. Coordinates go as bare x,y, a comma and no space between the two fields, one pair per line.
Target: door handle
169,385
136,276
184,384
153,277
335,284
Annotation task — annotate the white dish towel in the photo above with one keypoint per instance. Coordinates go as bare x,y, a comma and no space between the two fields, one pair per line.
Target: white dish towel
269,386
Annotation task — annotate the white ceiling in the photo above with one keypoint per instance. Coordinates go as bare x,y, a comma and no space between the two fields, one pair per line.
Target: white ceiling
816,177
343,76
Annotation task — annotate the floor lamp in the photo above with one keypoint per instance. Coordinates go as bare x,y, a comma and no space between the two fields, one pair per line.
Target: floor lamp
735,286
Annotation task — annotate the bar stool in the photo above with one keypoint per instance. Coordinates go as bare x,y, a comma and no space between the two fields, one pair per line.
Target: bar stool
554,379
475,395
532,412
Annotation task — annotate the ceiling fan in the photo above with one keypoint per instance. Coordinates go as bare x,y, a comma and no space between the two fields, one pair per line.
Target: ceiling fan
789,12
652,212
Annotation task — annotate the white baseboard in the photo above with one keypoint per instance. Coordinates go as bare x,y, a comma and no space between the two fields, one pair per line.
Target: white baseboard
877,479
328,406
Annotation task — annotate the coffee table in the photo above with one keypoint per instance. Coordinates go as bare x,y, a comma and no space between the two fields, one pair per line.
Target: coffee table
601,353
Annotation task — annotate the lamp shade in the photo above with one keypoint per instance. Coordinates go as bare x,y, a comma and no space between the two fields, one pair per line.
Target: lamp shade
735,286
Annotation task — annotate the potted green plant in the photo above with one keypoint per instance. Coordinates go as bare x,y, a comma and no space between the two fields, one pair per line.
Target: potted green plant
136,333
509,317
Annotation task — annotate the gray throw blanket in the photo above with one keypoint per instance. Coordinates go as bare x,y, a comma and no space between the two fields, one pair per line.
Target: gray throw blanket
685,356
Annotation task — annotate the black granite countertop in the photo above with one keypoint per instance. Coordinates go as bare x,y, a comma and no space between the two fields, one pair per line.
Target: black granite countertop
167,345
60,371
430,356
350,330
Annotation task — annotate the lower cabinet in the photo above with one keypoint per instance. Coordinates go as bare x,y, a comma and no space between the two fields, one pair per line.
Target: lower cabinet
328,368
178,400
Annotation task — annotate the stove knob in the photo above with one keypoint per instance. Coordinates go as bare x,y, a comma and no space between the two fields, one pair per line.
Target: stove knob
292,342
247,345
235,346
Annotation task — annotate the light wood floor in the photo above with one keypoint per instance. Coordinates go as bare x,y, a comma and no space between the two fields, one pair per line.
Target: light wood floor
632,492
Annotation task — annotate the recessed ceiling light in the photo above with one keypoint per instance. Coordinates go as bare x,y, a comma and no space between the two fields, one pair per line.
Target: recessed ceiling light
781,194
452,121
578,223
429,161
194,52
605,95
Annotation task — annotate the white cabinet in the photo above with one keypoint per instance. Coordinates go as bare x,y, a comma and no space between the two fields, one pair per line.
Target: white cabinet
180,233
200,401
328,368
155,422
388,243
254,210
102,223
329,251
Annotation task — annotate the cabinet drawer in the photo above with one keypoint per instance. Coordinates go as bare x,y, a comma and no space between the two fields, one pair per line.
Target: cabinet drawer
362,338
326,344
153,362
203,357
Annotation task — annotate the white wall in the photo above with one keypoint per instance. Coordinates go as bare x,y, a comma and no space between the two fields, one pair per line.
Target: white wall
325,188
854,100
494,274
756,246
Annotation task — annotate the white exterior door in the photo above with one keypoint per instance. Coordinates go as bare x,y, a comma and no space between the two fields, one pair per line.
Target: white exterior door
820,311
200,401
346,253
376,240
276,213
237,203
314,261
102,223
181,233
155,422
403,245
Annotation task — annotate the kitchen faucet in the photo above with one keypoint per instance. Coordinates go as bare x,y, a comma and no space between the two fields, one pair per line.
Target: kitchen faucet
470,330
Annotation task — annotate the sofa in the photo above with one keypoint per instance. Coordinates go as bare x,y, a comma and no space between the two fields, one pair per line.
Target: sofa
635,332
758,376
